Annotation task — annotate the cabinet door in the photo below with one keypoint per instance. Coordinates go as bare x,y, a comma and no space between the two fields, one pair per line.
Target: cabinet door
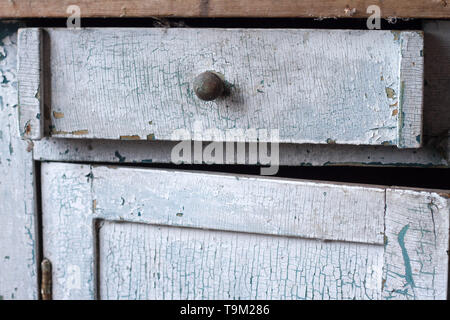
130,233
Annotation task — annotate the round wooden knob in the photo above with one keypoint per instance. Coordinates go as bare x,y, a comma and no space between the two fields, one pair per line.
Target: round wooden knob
208,86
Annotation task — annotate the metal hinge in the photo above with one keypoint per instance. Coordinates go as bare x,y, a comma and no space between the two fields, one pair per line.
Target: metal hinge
46,280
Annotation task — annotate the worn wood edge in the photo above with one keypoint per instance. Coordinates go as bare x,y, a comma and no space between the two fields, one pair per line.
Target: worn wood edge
30,83
144,152
441,192
416,244
231,176
230,8
410,115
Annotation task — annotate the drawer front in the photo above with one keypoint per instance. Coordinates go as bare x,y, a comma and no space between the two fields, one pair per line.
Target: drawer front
313,86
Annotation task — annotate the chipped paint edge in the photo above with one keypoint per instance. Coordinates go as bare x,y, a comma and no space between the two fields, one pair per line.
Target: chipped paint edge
30,83
410,115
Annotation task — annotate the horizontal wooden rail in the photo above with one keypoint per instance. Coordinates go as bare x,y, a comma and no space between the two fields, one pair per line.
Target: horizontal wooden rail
225,8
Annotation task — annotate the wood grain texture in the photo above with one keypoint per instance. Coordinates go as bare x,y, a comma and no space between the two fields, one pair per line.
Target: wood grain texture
237,203
18,237
153,262
410,117
341,91
68,230
116,151
29,76
130,217
416,245
433,153
228,8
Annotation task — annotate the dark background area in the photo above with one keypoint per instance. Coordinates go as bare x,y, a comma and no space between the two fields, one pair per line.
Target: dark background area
323,23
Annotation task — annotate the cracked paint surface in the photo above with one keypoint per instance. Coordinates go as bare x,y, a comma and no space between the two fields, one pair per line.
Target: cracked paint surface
17,237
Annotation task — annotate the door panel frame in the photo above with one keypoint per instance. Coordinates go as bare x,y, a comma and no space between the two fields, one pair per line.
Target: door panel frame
414,227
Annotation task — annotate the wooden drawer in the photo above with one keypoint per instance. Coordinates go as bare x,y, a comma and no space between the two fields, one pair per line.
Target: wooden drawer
313,86
133,233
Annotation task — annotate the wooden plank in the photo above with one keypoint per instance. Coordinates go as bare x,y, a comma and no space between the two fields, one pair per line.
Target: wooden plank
153,262
68,230
29,78
281,207
229,8
99,92
411,91
116,151
416,245
18,237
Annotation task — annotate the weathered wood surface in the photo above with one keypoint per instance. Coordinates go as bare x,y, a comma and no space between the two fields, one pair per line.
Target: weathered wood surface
30,76
116,151
68,230
154,262
435,128
314,86
235,203
226,8
171,215
416,245
410,102
18,279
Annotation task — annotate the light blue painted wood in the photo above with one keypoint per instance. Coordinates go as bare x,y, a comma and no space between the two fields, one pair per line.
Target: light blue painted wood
156,262
117,151
392,243
434,153
18,278
416,245
30,82
314,86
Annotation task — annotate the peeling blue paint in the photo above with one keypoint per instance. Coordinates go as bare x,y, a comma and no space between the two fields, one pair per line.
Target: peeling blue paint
3,78
408,271
89,176
118,155
8,29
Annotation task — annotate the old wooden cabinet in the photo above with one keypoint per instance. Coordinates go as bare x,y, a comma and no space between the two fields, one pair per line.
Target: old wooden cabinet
129,233
120,95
